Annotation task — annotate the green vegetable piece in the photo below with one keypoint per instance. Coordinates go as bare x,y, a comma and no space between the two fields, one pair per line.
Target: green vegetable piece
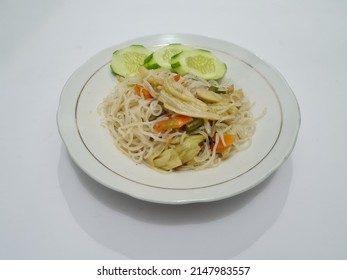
216,89
195,124
162,57
125,62
189,148
208,96
150,62
201,63
167,160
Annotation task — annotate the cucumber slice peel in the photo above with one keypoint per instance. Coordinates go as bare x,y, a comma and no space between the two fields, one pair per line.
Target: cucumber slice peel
125,62
199,62
162,57
150,62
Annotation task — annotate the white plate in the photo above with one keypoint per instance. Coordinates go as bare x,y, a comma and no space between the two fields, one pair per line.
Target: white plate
92,148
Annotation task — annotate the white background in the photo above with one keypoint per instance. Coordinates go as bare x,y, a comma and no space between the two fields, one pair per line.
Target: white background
49,209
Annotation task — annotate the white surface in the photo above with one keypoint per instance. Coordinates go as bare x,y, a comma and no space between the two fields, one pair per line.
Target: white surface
50,209
92,148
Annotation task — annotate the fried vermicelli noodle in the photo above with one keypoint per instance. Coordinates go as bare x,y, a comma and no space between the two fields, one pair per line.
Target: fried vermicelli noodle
171,122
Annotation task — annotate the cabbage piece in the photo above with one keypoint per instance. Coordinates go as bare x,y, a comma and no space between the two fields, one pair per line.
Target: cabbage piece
209,96
167,160
186,108
190,148
181,101
155,153
182,94
174,157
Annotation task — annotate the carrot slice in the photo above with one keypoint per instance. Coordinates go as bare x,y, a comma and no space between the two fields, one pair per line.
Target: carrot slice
228,140
177,78
172,122
141,91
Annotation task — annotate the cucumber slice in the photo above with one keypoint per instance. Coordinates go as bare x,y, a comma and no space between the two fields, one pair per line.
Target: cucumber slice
201,63
126,62
162,57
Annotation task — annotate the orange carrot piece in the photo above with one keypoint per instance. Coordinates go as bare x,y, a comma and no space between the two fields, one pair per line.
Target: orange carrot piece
141,91
177,78
228,139
172,122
